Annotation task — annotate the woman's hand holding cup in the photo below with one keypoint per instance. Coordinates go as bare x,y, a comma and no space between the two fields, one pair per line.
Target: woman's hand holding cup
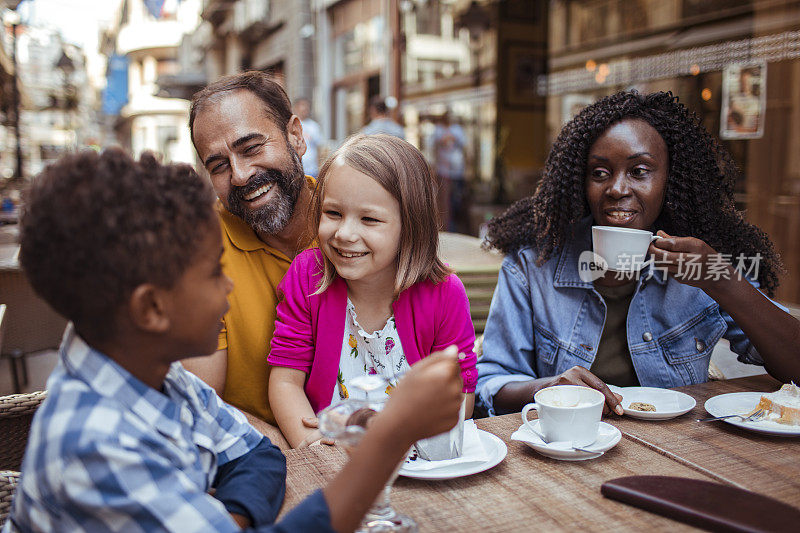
577,375
687,259
568,413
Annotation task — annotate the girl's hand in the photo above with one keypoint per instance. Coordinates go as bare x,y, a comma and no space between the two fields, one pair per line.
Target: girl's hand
690,261
314,437
427,399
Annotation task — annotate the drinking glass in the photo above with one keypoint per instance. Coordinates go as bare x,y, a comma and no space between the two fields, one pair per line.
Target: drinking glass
345,422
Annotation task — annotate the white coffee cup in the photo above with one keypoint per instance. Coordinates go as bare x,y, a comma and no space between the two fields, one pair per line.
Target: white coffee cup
623,249
567,413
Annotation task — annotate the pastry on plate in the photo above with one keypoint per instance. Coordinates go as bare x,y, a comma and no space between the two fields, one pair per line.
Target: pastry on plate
642,406
782,406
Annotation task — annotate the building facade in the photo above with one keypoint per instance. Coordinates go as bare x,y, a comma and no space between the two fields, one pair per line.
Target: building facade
11,163
512,72
56,101
148,43
266,35
476,62
57,112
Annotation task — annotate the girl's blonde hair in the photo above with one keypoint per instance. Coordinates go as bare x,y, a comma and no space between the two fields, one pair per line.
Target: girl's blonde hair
402,170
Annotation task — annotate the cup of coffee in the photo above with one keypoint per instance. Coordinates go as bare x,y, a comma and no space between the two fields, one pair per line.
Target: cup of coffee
623,249
567,413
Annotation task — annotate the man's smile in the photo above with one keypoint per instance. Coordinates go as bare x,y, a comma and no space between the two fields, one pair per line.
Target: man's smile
258,192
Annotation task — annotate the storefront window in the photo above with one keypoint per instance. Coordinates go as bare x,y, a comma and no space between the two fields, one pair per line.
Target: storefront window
435,50
693,8
579,23
473,113
349,106
429,18
360,48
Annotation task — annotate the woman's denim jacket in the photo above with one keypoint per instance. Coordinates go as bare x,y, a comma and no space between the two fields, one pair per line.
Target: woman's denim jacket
545,320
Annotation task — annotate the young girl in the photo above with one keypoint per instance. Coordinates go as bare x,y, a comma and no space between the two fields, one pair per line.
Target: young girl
373,298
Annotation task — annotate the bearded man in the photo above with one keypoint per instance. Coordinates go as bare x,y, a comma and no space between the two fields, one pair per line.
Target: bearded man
250,143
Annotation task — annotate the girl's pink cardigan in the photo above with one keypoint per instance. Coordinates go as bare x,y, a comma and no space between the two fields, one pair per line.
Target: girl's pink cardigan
309,331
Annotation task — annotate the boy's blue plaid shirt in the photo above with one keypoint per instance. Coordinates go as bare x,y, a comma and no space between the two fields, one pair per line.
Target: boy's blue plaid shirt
107,452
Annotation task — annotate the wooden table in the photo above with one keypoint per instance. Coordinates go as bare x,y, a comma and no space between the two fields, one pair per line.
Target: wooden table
9,217
529,491
754,461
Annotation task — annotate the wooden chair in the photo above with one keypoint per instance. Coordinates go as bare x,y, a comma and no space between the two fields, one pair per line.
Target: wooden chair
16,415
2,324
30,324
479,282
8,484
477,268
9,234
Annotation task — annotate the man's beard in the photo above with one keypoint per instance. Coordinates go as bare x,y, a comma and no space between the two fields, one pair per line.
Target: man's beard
273,217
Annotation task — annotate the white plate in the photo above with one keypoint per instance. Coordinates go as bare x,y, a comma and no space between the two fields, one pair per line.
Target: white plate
743,403
494,446
608,436
668,403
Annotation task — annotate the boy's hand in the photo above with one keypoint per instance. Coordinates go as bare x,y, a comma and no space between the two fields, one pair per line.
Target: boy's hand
427,399
425,402
241,520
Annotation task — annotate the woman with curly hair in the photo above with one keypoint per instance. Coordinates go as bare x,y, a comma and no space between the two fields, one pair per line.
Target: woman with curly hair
642,162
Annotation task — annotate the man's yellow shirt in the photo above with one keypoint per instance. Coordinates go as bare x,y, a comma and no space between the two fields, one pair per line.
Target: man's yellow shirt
256,269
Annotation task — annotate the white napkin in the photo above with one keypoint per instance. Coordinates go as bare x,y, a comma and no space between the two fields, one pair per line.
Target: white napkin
473,452
524,434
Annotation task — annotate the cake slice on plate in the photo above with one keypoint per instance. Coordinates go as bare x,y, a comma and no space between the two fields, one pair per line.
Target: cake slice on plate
782,406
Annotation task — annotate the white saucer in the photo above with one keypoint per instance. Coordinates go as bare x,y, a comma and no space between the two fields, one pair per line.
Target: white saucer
494,446
668,403
608,436
738,403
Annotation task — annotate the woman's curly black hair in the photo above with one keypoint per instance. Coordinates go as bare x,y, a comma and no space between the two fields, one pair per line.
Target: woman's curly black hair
698,198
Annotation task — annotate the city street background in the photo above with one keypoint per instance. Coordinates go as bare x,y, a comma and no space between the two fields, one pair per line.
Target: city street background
481,87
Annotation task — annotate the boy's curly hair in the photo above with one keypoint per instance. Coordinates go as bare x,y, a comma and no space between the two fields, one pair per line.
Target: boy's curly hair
95,226
698,198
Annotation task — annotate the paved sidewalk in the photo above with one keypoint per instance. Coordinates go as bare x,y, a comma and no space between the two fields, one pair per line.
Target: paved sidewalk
464,252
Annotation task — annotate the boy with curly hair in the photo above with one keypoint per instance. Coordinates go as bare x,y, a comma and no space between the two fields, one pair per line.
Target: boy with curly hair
127,439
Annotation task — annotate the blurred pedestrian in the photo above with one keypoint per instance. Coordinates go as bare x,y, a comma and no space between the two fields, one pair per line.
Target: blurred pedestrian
380,121
449,142
312,133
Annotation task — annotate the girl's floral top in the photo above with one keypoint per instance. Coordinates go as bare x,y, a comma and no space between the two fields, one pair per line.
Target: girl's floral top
379,352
